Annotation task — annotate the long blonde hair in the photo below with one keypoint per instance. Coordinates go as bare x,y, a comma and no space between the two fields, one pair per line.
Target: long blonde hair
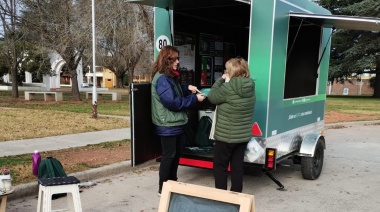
237,67
164,61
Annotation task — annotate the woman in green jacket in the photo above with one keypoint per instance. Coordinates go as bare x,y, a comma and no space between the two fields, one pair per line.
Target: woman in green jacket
234,95
169,102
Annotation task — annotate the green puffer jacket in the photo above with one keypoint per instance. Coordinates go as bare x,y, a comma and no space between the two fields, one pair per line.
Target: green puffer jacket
161,115
236,101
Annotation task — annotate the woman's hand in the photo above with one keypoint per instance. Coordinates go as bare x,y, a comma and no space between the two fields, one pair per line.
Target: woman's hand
226,77
200,97
193,89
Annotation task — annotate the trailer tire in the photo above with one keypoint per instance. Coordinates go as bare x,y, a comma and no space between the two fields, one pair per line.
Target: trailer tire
311,167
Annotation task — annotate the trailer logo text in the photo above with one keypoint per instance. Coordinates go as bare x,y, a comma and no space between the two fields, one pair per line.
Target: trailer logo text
293,116
303,100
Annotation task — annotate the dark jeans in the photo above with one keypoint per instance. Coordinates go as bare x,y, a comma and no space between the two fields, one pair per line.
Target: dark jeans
229,154
172,147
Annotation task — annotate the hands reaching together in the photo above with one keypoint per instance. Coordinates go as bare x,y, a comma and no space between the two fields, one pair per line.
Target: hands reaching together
200,95
193,89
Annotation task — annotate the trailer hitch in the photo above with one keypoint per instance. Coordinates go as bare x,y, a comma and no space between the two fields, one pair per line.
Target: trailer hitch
270,175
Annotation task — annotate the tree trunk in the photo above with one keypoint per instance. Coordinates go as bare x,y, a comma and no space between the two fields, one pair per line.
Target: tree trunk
14,72
119,79
120,82
14,83
75,87
376,92
72,62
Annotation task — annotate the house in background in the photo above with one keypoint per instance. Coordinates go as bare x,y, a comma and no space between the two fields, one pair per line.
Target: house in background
105,78
356,85
141,77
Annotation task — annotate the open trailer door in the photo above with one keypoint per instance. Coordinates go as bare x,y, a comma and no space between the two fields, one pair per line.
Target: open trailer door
340,21
146,144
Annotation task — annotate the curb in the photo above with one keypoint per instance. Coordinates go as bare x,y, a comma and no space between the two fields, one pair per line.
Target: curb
30,189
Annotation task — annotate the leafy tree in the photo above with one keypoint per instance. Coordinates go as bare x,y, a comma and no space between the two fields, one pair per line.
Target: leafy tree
353,51
36,62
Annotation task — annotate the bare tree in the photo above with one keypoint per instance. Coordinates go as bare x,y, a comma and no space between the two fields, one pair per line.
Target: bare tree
126,33
63,26
13,42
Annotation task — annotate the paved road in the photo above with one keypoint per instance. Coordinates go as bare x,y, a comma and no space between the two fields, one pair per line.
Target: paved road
349,182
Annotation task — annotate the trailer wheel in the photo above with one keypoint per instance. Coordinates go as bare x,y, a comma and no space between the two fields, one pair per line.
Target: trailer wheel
311,167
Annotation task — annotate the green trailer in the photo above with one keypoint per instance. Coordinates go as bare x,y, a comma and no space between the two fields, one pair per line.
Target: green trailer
287,45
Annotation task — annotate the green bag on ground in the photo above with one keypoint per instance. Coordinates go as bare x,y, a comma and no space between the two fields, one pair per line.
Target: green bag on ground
203,132
50,167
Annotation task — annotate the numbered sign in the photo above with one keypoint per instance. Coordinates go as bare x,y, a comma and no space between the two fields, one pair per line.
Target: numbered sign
162,41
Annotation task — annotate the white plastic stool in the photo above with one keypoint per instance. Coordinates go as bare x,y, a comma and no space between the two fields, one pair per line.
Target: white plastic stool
65,185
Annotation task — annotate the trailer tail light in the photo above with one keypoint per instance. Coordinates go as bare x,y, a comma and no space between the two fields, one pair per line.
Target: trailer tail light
270,159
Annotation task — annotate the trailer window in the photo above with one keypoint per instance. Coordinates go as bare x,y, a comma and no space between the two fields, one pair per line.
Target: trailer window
302,59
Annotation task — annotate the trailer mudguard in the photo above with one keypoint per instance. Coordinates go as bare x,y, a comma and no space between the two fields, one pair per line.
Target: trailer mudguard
309,143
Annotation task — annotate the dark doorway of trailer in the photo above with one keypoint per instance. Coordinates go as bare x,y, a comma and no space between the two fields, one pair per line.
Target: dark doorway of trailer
212,23
225,20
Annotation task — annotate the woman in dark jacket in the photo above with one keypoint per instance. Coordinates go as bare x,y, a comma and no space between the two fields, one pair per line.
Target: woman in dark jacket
234,95
169,102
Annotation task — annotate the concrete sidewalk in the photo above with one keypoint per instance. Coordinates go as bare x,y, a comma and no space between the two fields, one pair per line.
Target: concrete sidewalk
25,146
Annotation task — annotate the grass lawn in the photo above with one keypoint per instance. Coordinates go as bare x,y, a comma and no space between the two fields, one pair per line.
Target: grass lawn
347,109
23,119
105,105
356,105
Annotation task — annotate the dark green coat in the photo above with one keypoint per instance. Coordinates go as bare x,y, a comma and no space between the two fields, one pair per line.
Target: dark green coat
236,101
